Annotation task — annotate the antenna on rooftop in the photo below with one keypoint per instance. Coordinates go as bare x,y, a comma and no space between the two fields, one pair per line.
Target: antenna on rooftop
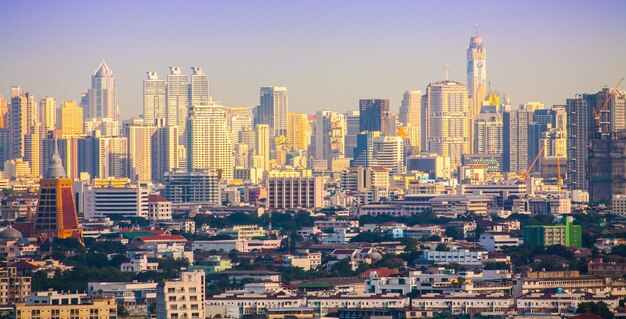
445,68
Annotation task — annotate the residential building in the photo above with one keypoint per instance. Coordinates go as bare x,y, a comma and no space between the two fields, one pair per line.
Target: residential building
13,287
567,234
52,304
199,88
177,99
295,192
182,298
70,119
140,154
191,187
298,131
272,110
159,208
154,102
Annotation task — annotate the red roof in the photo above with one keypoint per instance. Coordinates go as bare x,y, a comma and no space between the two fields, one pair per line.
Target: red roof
381,272
343,252
156,198
163,238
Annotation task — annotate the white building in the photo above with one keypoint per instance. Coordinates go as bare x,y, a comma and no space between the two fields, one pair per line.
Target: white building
191,187
209,140
159,208
140,152
128,201
154,105
459,256
177,99
273,108
182,298
199,87
495,241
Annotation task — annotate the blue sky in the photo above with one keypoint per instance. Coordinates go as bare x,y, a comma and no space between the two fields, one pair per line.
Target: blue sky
328,53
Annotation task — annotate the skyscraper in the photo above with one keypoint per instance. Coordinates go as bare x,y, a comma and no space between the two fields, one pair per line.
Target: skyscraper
209,142
476,72
48,113
101,96
516,140
488,129
199,93
154,105
56,212
17,124
164,151
298,131
71,119
177,99
410,110
448,112
263,144
330,133
32,148
353,128
4,109
140,152
273,109
374,115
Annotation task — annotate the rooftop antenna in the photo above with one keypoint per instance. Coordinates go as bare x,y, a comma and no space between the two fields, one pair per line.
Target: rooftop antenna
445,68
476,29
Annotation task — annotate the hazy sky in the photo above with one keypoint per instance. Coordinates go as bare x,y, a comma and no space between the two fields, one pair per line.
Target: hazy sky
328,53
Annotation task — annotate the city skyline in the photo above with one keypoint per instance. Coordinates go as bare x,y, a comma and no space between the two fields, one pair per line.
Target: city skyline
322,69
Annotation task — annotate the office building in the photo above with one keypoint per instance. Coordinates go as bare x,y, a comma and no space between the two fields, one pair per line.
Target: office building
374,116
154,103
102,127
272,110
177,99
607,167
209,142
112,157
18,124
140,155
353,128
164,149
516,151
56,211
449,119
410,109
436,166
199,88
191,187
298,131
389,153
32,148
48,114
263,145
182,298
128,200
364,150
102,95
70,119
295,192
566,234
488,133
55,305
329,135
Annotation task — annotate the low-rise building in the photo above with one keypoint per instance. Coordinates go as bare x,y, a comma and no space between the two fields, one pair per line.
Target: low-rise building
559,302
51,305
463,303
182,298
495,241
459,256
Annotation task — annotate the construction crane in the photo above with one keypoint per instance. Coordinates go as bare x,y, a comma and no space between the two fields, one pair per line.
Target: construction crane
530,168
597,113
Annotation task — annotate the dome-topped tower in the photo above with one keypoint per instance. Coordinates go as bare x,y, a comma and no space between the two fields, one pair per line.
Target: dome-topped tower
55,167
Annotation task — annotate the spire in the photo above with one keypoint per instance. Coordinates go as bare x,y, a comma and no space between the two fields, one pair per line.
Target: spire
103,68
55,167
477,30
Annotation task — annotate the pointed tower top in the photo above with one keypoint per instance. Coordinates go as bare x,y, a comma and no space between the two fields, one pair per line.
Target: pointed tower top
103,68
477,30
55,167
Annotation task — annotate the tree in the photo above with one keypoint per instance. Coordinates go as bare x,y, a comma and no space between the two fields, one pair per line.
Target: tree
597,308
454,233
442,247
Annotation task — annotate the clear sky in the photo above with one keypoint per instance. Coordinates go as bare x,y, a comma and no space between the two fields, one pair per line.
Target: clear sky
328,53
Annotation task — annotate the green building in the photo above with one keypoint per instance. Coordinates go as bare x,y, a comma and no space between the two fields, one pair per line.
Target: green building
212,264
567,234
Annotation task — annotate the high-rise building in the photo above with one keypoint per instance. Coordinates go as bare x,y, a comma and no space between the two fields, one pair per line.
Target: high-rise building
127,200
48,114
273,109
295,192
374,116
164,151
449,119
102,95
4,109
488,130
410,109
191,187
364,150
111,156
56,212
71,119
580,127
298,131
329,135
238,119
140,153
32,148
17,124
209,142
177,99
389,153
353,128
515,148
68,151
154,103
263,144
182,298
15,287
476,74
199,93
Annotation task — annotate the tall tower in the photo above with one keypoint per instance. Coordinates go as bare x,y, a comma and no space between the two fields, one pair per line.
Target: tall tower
374,115
102,99
410,113
199,93
299,131
448,114
154,105
177,99
273,108
71,119
516,140
476,74
209,143
164,151
56,211
140,152
17,124
263,144
48,114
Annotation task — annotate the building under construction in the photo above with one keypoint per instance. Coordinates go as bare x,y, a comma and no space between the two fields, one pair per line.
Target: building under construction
607,167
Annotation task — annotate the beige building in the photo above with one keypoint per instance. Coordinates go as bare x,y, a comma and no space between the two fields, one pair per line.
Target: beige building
140,152
13,288
182,298
54,305
448,123
293,193
209,141
71,116
48,113
16,168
